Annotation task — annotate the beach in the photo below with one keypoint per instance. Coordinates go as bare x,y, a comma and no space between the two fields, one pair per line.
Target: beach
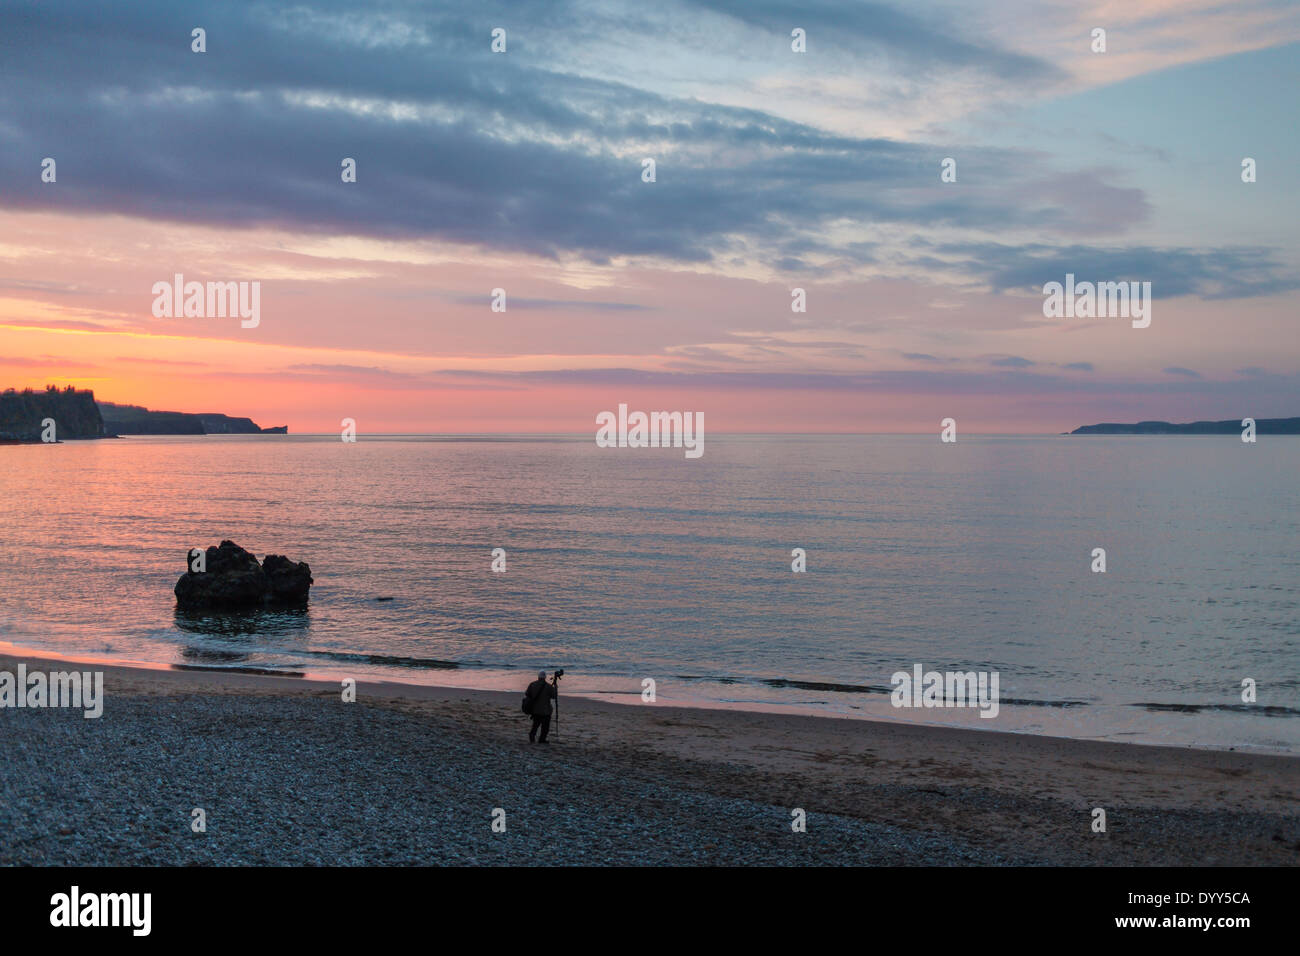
287,773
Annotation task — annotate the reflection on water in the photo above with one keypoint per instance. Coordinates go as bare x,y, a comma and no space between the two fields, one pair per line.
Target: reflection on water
210,655
234,624
233,631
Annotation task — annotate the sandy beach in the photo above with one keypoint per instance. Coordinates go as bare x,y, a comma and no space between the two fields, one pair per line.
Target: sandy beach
288,773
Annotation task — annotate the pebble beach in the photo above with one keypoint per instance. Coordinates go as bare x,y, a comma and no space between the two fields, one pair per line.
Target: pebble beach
287,773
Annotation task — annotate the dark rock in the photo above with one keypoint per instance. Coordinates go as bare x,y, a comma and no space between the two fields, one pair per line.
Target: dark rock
74,412
290,580
232,579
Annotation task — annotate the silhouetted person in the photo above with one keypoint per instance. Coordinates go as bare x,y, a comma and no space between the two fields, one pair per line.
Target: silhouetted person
539,696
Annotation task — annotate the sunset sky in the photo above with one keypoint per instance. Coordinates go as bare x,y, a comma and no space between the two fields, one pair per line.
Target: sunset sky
775,170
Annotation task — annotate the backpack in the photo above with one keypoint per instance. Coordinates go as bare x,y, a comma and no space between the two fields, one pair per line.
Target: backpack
527,705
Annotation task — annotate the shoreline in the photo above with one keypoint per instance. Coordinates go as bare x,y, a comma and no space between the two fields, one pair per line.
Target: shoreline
324,679
263,753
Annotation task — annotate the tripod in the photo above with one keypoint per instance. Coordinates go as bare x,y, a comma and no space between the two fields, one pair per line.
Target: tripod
555,682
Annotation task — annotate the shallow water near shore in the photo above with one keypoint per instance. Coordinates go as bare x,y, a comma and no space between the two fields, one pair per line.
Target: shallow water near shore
624,565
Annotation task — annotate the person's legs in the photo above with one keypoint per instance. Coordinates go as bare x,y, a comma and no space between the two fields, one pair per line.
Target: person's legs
532,734
546,726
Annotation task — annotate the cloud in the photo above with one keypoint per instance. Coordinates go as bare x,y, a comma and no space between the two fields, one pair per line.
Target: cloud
375,378
44,361
66,324
340,369
513,152
46,288
142,360
1212,274
866,27
1185,372
917,381
543,305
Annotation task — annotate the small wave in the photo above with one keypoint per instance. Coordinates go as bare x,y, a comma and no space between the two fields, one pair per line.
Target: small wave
1022,702
785,682
386,660
239,669
827,687
823,686
712,680
1267,710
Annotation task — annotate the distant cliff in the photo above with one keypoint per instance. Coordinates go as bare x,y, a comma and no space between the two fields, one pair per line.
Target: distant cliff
1263,426
135,420
74,413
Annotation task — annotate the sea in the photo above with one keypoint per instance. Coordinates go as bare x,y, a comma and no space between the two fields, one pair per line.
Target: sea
655,579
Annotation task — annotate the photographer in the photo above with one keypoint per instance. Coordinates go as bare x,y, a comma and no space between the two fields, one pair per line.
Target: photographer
537,703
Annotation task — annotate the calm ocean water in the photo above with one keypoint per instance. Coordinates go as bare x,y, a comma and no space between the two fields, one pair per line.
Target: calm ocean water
628,564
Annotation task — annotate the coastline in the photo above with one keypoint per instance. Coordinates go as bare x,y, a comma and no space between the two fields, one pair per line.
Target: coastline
262,754
873,703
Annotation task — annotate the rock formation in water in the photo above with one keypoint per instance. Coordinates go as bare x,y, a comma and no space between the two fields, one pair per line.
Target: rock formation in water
232,579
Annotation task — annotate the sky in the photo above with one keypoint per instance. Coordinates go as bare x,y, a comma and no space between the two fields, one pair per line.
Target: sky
774,170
